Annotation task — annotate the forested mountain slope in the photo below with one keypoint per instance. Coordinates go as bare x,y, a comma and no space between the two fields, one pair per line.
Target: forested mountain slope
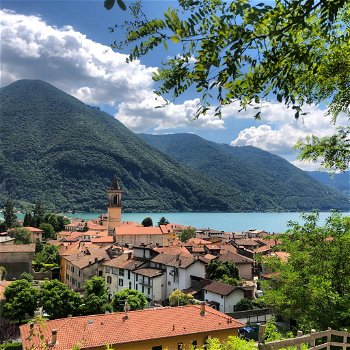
268,180
55,148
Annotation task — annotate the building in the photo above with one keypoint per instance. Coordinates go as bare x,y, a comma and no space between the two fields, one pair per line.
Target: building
36,234
223,296
16,258
170,328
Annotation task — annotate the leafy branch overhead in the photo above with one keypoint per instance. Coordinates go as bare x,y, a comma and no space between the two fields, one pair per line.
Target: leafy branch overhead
294,51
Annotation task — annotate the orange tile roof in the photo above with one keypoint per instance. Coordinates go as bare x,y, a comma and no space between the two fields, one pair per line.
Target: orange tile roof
198,241
220,288
98,330
103,239
33,229
172,250
17,248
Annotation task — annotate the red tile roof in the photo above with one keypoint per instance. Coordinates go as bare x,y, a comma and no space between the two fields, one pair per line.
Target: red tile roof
115,328
33,229
3,286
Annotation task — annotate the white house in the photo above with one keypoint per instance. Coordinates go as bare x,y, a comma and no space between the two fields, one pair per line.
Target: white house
223,295
178,270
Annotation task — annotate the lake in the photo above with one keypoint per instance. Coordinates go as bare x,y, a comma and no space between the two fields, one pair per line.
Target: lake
271,222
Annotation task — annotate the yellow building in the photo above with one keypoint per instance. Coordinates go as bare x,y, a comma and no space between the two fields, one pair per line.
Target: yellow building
170,328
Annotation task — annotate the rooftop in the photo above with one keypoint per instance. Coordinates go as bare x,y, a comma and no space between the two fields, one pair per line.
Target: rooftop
220,288
98,330
17,248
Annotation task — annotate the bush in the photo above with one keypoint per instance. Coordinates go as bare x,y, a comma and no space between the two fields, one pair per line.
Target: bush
11,346
244,304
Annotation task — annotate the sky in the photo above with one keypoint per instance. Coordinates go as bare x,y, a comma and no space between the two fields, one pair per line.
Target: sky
67,43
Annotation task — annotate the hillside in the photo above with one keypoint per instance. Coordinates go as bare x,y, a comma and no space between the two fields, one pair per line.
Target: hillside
57,149
340,181
268,180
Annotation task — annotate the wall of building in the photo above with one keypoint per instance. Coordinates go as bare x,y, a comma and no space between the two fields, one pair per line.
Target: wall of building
245,271
226,302
172,343
16,263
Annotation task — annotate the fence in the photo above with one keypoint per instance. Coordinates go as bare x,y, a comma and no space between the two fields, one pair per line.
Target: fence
324,340
257,315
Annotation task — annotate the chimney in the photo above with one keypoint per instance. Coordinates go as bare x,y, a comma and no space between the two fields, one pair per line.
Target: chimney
203,308
54,337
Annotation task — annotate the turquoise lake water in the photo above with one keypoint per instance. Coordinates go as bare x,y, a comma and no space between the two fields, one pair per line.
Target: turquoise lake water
271,222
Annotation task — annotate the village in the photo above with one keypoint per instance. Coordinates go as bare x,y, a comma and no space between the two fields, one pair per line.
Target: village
155,261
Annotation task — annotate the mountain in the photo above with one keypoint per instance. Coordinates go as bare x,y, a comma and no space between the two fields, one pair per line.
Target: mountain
340,181
57,149
270,181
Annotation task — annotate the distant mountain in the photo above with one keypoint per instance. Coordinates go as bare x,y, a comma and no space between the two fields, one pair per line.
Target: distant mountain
57,149
340,181
271,182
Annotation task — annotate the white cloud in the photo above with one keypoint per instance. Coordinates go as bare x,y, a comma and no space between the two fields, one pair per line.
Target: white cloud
139,115
32,49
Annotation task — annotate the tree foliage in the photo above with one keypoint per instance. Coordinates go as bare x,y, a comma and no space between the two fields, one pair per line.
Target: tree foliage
26,276
147,222
295,51
58,300
49,231
135,299
21,235
313,286
48,255
232,343
95,300
225,272
21,299
8,331
179,298
10,216
163,221
186,234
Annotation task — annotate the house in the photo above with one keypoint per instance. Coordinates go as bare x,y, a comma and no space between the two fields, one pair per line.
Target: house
243,263
16,258
178,270
170,328
36,234
224,296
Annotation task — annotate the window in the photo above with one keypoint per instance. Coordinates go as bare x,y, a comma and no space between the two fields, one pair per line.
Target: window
148,291
128,274
72,269
121,272
137,278
108,270
121,283
136,286
79,273
180,346
194,344
109,279
129,285
157,347
143,289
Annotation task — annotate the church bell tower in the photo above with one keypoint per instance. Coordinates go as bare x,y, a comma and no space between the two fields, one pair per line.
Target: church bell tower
114,206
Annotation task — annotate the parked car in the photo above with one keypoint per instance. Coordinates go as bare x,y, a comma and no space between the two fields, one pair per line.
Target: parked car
249,332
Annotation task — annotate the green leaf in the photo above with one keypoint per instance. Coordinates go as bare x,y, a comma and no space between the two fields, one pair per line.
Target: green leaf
175,39
108,4
121,4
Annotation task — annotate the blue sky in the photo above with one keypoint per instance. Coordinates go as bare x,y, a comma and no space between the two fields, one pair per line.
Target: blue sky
67,44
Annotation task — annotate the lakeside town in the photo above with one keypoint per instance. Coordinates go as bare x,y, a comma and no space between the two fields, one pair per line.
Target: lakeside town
167,286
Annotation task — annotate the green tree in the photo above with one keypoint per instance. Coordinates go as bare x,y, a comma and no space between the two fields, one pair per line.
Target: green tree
58,300
313,286
95,300
163,221
48,255
38,214
21,235
223,271
179,298
49,232
56,221
244,304
135,299
294,51
232,343
28,220
187,233
26,276
147,222
2,273
20,299
9,213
